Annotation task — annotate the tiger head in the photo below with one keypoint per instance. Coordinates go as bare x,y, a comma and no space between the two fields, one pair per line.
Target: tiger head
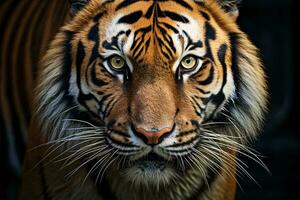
151,90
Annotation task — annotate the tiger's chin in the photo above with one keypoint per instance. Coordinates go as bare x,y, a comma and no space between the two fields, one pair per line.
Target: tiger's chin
150,170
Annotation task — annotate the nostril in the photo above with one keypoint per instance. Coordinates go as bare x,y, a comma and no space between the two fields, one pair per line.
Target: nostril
154,136
154,129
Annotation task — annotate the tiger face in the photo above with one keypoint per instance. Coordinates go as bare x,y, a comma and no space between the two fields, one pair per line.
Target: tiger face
156,83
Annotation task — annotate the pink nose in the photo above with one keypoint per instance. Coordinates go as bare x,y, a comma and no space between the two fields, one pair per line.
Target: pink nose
152,137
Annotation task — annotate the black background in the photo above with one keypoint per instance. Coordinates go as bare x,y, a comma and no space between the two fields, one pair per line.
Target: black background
271,25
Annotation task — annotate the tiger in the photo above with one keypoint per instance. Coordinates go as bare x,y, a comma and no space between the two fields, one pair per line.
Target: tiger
145,100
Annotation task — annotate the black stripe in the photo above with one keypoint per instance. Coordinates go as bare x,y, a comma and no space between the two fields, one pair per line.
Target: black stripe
196,110
234,66
176,17
150,11
202,91
94,36
99,16
162,44
197,105
94,77
110,107
184,4
184,133
238,101
124,134
67,60
170,27
82,98
139,40
131,18
113,45
126,3
168,39
103,99
80,54
221,55
200,3
210,31
147,44
195,45
137,54
210,77
172,15
190,44
205,15
107,106
66,69
205,100
219,98
210,34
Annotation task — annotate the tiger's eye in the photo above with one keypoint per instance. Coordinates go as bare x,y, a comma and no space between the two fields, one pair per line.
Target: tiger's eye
117,62
189,62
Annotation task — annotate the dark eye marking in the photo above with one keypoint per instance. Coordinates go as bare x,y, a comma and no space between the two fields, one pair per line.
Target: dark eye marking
131,18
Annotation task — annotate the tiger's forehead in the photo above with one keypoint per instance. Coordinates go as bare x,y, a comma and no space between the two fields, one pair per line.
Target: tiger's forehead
146,29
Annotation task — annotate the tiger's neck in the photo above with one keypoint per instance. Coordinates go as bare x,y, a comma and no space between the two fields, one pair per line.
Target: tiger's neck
219,185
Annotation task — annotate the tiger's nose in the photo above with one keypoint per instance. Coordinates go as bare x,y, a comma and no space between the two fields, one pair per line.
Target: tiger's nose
153,136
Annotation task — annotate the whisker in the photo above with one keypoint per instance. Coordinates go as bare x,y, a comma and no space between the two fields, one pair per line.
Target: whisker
80,121
104,152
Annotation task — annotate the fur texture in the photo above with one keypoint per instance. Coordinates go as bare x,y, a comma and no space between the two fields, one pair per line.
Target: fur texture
88,114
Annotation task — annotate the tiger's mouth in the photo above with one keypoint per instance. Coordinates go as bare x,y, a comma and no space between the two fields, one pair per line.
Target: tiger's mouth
150,169
151,162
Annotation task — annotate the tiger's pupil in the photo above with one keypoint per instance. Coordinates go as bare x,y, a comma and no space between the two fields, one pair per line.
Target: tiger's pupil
117,62
189,62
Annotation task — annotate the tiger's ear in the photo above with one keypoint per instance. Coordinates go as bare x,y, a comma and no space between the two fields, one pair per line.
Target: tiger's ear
77,5
231,7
